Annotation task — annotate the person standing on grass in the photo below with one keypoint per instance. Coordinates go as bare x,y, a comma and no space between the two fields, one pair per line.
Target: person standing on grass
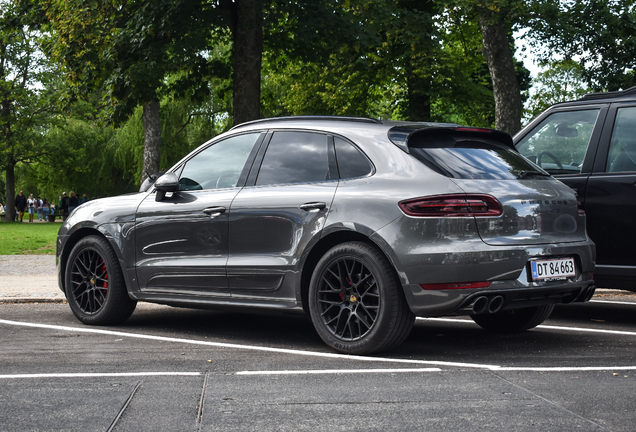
31,206
20,205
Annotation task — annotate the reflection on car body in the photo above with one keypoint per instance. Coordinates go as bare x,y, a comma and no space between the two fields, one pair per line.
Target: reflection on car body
359,223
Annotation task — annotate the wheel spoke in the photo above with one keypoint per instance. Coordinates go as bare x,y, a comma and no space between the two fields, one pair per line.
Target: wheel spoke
348,298
89,281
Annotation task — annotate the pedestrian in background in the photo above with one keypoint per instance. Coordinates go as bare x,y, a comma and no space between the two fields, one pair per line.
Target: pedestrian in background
84,199
38,207
31,206
20,205
64,204
45,209
73,202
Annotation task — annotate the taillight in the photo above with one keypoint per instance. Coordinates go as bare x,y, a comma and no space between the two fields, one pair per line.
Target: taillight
452,206
460,285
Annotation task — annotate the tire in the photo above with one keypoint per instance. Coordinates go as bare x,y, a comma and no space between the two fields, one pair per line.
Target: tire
356,302
516,320
94,284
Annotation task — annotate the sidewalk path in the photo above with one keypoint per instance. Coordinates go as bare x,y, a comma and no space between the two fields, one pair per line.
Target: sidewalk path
33,278
29,278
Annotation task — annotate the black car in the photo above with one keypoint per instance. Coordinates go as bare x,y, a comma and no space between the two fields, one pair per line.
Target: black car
590,145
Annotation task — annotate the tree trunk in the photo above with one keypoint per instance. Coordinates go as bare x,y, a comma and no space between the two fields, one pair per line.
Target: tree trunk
496,49
247,30
10,174
152,139
419,100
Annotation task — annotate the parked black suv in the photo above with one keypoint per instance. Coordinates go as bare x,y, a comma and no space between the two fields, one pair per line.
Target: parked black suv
590,145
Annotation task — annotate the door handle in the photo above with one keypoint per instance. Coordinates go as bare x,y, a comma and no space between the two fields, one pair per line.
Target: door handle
214,211
313,206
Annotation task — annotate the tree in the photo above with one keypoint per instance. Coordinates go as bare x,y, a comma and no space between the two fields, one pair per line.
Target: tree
131,48
25,99
496,19
600,35
562,81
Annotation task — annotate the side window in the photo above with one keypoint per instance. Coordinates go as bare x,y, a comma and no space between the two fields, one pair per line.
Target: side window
351,162
295,157
558,144
218,166
622,153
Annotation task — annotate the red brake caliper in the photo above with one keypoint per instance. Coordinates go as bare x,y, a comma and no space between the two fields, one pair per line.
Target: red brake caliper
105,274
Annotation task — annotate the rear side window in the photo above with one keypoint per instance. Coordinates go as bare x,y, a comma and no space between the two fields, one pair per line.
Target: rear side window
351,162
466,157
295,157
622,155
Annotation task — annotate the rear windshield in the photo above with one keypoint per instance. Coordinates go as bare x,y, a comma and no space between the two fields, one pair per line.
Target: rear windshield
473,159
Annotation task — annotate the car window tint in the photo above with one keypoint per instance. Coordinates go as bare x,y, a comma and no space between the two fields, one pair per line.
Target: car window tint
295,157
351,162
622,154
558,144
218,166
472,159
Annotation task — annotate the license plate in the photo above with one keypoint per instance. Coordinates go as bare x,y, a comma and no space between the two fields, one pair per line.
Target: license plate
553,269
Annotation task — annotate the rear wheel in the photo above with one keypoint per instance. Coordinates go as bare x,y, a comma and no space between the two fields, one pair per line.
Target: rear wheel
94,284
356,302
513,321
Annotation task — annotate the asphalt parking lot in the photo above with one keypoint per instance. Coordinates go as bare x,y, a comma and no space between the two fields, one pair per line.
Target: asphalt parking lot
174,369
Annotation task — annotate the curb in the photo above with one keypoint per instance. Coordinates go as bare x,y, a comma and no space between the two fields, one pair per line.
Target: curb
5,300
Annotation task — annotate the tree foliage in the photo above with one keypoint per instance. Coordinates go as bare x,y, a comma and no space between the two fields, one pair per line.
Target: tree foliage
600,35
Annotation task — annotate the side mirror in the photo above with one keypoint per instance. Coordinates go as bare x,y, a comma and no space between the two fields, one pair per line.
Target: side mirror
150,180
166,183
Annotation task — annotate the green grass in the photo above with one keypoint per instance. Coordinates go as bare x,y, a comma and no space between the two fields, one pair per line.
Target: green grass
28,238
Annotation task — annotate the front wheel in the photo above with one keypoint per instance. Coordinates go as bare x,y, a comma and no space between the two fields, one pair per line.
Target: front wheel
94,284
356,302
516,320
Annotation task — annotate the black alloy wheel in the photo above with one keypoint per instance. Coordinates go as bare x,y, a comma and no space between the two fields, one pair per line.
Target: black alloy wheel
94,284
348,299
356,302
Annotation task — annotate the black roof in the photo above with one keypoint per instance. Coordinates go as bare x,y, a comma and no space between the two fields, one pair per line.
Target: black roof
630,93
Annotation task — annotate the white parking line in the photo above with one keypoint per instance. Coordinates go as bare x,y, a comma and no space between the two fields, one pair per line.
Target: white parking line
92,375
549,327
336,356
613,302
245,347
336,371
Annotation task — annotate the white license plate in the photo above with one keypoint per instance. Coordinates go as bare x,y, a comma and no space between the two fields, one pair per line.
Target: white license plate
561,268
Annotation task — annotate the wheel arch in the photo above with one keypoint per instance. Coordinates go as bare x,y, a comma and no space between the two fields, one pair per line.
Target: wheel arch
73,239
321,247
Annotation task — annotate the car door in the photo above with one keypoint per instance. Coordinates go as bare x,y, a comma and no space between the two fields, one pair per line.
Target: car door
610,201
182,240
279,214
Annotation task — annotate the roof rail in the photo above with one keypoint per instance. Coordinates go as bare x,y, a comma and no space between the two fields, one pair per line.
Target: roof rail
310,117
609,95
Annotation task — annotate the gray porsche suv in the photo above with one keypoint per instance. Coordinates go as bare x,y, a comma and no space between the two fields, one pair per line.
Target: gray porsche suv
361,224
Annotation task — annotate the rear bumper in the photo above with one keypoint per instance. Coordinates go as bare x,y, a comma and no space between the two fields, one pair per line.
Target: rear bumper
500,296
